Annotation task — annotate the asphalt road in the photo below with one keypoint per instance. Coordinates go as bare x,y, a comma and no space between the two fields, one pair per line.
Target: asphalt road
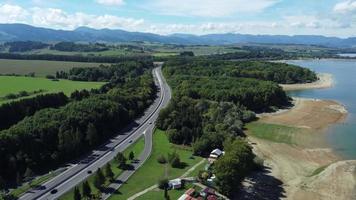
79,171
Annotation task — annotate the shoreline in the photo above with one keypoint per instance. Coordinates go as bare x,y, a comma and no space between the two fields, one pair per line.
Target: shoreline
324,81
309,169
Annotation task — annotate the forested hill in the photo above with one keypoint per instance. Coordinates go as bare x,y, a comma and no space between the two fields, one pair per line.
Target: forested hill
212,100
23,32
54,136
268,71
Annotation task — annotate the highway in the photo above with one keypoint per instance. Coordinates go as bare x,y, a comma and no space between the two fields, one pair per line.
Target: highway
79,171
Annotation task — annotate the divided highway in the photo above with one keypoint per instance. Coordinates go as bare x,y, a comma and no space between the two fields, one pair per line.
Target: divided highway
82,169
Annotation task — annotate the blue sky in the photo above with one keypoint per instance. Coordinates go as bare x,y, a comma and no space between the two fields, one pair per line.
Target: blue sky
290,17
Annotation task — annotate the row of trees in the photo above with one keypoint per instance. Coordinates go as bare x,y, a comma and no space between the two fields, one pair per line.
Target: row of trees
75,58
23,46
13,112
74,47
53,136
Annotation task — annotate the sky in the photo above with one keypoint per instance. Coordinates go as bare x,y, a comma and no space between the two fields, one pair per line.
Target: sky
282,17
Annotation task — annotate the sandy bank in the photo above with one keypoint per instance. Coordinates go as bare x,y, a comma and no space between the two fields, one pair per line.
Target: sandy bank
310,171
325,81
308,113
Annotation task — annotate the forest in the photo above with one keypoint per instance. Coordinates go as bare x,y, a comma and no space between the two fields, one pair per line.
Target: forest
213,99
75,58
53,136
270,71
74,47
13,112
23,46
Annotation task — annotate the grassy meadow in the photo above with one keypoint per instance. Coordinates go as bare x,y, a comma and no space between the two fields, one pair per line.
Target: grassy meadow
16,84
149,174
41,68
273,132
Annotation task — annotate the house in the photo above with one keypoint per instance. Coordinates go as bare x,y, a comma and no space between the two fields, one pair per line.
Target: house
175,184
207,192
215,154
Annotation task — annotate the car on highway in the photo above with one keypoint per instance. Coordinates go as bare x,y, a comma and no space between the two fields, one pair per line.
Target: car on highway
90,172
54,191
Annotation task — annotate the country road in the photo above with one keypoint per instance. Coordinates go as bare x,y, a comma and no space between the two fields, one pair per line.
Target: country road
79,171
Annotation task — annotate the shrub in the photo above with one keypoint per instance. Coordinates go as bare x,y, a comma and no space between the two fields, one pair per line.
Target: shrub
161,159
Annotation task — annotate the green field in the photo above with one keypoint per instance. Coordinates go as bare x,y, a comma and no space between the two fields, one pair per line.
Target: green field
137,148
13,85
39,67
158,194
273,132
152,171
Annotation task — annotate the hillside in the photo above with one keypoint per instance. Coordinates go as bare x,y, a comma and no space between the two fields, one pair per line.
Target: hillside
22,32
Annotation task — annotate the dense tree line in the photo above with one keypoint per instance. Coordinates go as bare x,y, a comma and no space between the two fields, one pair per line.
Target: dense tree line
101,73
23,46
53,136
268,53
269,71
13,112
251,93
75,58
74,47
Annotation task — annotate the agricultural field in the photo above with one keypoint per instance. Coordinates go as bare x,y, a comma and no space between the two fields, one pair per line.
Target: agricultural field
39,67
17,84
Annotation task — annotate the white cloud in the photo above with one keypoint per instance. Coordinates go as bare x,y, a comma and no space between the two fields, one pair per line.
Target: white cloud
57,18
345,7
209,8
12,13
111,2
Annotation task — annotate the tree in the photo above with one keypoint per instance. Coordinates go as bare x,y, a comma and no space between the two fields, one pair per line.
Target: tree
174,160
92,135
18,178
161,159
163,184
77,195
86,189
28,173
99,179
231,168
131,155
109,173
121,160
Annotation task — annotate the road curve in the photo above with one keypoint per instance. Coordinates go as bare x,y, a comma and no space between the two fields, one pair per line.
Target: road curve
78,172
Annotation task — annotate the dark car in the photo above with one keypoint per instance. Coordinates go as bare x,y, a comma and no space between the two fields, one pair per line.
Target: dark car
90,172
54,191
130,141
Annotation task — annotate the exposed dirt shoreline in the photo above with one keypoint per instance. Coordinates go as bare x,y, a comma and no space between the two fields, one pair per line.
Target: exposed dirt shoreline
325,81
311,171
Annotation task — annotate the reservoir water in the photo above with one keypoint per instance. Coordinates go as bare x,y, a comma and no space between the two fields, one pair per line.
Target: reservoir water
341,137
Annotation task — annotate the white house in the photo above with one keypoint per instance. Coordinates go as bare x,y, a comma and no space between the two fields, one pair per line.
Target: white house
215,154
175,184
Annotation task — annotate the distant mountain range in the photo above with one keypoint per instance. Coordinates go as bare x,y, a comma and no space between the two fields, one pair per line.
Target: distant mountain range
23,32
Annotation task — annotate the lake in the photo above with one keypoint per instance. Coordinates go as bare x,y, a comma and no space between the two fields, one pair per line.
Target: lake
349,55
341,137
